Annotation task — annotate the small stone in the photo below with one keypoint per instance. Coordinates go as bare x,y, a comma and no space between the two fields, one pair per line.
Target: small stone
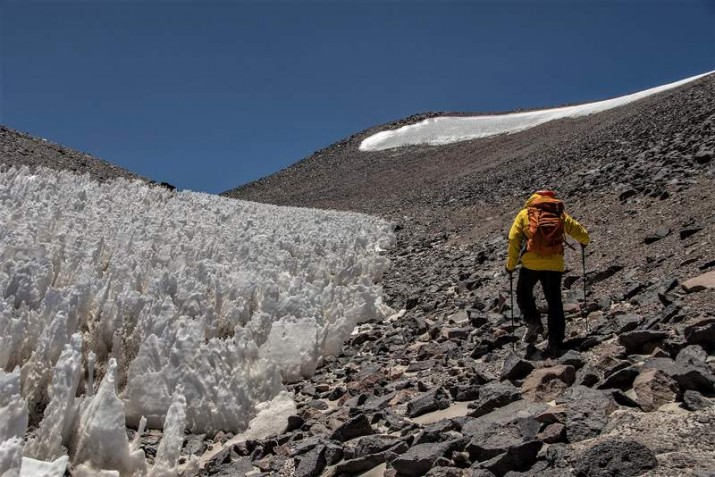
572,358
689,231
467,392
416,366
546,384
319,405
431,401
700,283
694,401
627,194
555,432
356,427
703,156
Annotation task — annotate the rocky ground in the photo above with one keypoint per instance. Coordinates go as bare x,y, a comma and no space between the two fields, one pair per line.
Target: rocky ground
445,387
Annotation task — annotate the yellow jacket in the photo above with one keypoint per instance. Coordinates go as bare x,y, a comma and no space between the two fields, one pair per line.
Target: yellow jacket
531,260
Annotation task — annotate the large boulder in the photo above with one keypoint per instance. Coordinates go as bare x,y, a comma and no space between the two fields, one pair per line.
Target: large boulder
615,458
363,463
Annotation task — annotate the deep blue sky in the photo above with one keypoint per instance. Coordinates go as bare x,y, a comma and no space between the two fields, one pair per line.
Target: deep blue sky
210,95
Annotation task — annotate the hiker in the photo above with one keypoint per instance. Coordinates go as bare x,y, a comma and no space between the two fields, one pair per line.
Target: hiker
537,238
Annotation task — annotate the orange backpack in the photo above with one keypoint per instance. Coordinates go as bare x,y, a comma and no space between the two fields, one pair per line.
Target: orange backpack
545,235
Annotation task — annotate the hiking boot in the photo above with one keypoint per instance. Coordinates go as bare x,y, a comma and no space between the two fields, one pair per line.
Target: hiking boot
554,352
532,333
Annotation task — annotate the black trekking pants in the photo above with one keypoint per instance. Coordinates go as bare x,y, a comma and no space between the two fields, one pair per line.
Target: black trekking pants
551,284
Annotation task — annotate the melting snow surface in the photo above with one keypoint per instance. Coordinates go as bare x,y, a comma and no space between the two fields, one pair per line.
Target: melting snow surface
124,304
446,130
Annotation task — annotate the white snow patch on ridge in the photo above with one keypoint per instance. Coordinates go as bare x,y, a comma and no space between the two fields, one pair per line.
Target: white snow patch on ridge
447,129
123,303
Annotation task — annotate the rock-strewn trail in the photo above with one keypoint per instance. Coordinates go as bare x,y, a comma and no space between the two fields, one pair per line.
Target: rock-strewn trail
445,387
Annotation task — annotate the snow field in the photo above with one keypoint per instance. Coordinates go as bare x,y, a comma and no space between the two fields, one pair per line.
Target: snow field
446,129
128,303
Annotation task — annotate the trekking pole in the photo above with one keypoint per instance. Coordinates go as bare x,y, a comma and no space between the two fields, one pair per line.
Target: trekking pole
511,293
583,263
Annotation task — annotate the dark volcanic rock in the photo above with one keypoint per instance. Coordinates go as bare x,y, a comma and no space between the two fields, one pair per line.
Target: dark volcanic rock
546,384
693,355
516,368
419,459
374,444
312,463
232,468
688,377
520,457
587,376
621,379
431,401
587,412
615,458
572,358
521,413
637,340
694,401
492,396
654,388
356,427
702,333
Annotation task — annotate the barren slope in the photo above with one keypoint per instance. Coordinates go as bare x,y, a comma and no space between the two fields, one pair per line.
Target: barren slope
21,149
641,178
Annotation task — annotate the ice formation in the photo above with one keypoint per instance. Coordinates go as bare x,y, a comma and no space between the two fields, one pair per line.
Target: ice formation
190,310
448,129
